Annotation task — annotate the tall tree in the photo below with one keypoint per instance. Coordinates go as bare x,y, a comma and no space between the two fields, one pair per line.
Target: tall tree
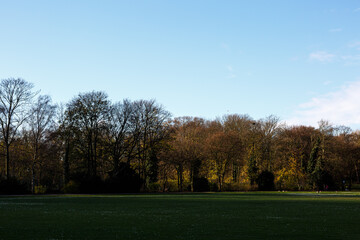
119,131
241,125
269,129
15,97
314,163
252,169
186,151
40,121
293,152
150,128
90,115
65,135
224,148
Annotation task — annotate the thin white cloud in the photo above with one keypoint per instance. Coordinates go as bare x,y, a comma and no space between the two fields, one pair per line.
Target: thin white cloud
225,46
327,83
341,107
321,56
355,44
335,30
231,72
351,60
357,10
231,75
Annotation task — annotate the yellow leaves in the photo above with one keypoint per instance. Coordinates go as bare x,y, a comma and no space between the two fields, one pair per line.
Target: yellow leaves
289,177
243,176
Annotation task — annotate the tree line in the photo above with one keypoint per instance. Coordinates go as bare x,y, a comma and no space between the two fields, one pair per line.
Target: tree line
91,145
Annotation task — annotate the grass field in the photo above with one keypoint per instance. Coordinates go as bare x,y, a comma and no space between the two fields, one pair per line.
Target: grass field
182,216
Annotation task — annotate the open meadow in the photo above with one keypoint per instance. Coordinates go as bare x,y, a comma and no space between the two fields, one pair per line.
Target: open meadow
182,216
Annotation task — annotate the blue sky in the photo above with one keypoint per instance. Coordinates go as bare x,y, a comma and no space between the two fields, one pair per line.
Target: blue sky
299,60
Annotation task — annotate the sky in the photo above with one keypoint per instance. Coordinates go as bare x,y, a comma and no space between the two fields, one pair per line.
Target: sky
298,60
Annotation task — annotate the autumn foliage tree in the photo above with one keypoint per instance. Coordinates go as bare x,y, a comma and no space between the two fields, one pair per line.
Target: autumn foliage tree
93,145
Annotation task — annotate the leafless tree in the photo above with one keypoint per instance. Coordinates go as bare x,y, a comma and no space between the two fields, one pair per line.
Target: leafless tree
40,121
90,115
149,125
269,128
119,131
15,97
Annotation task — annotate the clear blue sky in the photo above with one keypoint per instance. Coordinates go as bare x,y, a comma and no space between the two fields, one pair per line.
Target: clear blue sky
299,60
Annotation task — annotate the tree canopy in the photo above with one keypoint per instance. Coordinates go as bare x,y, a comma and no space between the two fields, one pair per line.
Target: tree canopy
91,144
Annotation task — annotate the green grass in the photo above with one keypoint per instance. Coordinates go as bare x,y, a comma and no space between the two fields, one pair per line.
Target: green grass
182,216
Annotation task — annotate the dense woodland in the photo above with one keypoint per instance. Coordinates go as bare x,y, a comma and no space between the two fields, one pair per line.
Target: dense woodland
92,145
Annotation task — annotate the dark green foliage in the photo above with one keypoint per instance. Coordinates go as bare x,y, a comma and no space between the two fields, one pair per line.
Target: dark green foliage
201,185
213,186
328,181
252,168
153,168
313,157
12,186
91,184
71,187
315,167
318,174
126,181
195,167
265,181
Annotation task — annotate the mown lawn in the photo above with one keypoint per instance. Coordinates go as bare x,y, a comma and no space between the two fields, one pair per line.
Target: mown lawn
182,216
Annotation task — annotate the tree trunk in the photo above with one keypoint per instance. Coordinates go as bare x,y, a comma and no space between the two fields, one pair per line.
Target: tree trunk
66,163
116,164
357,174
7,162
33,178
180,177
220,185
95,156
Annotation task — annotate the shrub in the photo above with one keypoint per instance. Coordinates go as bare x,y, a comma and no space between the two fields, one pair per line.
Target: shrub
126,181
72,187
201,185
328,181
265,181
169,186
91,184
213,187
40,189
12,186
154,187
237,187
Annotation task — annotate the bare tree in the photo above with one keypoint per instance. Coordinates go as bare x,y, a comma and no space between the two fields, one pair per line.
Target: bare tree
40,121
90,115
65,134
269,128
119,131
150,128
15,96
